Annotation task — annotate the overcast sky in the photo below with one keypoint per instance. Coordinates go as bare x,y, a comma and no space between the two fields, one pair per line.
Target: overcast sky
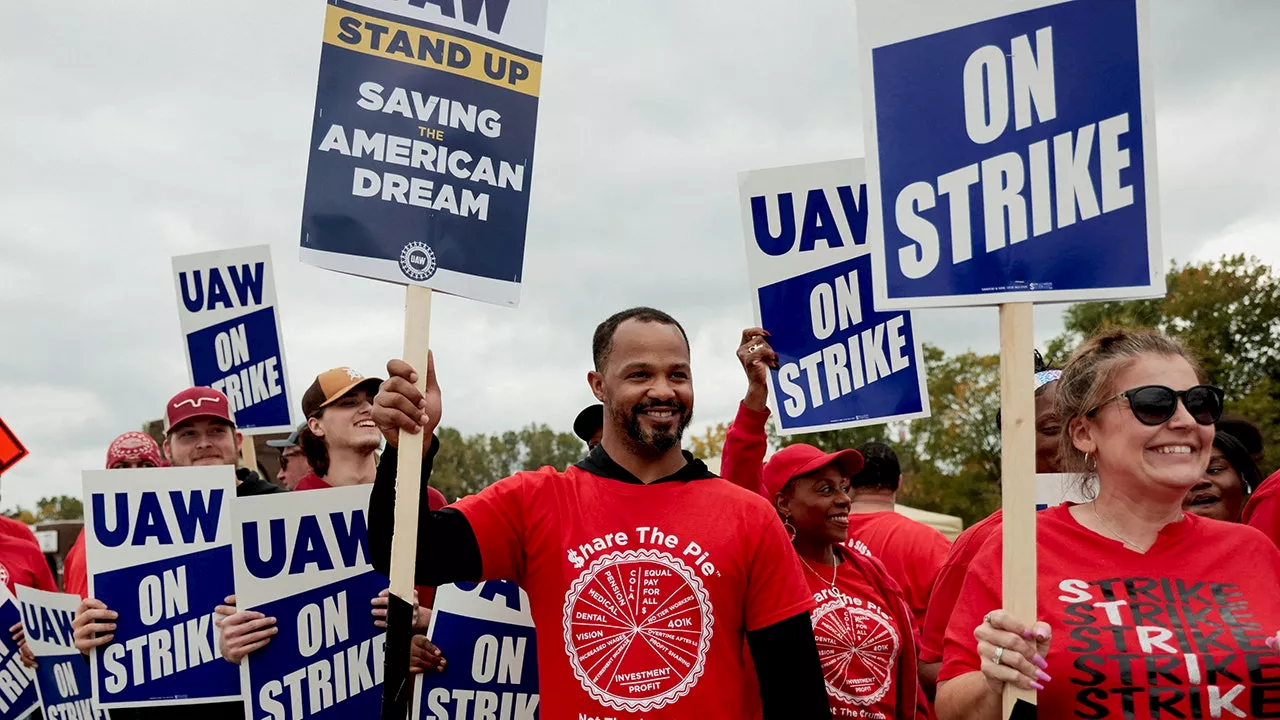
134,131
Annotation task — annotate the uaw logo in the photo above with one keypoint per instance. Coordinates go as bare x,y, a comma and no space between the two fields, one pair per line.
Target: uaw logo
417,261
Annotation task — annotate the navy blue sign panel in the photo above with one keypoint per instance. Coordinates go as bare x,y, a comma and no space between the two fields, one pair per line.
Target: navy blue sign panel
158,551
485,632
62,675
839,361
327,658
231,333
18,696
1010,151
422,151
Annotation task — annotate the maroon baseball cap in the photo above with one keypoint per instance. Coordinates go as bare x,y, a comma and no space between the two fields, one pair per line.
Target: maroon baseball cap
194,403
795,460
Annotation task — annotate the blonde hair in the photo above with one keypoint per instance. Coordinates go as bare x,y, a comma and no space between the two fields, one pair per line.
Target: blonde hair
1089,376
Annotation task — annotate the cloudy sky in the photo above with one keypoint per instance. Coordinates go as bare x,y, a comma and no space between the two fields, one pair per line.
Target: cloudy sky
135,131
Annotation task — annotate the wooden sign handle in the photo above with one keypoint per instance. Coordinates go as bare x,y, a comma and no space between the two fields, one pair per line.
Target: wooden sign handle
1018,472
249,453
404,543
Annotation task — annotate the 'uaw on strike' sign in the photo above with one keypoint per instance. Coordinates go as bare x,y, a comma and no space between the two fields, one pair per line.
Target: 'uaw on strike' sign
841,363
231,332
304,560
1010,151
18,696
158,551
486,633
422,143
62,676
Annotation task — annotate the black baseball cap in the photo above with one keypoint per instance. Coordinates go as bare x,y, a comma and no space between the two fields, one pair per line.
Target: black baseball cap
589,421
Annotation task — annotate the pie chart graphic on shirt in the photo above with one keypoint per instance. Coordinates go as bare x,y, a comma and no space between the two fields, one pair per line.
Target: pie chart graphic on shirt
637,627
858,649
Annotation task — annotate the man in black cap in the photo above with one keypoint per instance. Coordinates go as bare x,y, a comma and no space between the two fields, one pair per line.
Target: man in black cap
293,462
590,425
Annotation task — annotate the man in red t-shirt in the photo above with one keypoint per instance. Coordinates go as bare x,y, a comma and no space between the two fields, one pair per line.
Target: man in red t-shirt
17,530
911,551
647,575
1263,509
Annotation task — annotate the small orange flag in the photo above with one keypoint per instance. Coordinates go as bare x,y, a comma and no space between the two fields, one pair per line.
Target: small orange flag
11,449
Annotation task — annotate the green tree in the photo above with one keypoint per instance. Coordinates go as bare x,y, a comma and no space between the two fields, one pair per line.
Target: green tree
467,465
63,507
1228,312
710,444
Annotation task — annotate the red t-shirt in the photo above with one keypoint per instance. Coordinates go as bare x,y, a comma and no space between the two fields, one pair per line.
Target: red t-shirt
1263,509
22,563
17,530
642,595
911,551
860,641
75,575
435,501
946,589
1177,632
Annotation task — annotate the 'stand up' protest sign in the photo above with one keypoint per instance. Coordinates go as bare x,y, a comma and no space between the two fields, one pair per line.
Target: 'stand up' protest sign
485,632
18,696
62,675
231,332
304,560
158,550
1010,151
841,363
422,143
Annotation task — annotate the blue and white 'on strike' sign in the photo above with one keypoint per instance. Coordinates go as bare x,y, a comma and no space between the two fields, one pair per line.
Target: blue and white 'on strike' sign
18,695
62,676
422,143
485,632
304,560
231,332
841,363
1010,151
158,552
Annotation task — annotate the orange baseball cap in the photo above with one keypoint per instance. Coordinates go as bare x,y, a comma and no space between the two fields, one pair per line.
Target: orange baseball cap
333,384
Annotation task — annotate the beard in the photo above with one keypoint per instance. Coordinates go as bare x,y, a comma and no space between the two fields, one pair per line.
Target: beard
656,441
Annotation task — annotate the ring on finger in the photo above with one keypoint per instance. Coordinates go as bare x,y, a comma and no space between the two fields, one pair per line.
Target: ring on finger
998,656
987,618
753,348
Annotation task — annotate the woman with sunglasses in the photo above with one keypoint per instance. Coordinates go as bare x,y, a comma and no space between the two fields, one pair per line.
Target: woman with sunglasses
1145,610
1232,474
861,622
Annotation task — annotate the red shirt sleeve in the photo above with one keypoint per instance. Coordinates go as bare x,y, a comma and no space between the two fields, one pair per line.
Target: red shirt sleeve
496,515
744,447
75,576
776,585
979,596
946,589
1263,509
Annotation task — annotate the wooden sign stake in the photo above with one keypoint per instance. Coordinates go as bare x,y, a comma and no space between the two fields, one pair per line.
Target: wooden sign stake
404,542
1018,472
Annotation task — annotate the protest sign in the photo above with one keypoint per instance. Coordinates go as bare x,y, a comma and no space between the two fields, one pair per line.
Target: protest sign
485,632
1056,488
422,143
18,695
841,363
1011,151
62,675
305,561
231,333
158,552
11,449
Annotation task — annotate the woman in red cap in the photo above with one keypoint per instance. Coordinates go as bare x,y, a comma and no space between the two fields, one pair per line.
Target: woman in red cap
862,624
131,450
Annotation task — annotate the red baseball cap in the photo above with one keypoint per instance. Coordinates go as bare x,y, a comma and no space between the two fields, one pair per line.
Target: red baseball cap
795,460
194,403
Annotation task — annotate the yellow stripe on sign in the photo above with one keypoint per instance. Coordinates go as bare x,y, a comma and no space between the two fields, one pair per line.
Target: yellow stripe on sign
427,48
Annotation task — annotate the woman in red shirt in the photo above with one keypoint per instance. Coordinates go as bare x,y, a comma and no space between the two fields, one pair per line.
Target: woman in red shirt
1231,476
862,623
1146,611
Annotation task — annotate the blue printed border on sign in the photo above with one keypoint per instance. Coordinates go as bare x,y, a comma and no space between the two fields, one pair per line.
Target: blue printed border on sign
1011,157
492,665
841,363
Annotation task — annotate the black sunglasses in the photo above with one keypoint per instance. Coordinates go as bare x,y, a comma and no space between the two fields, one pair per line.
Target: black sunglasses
1155,404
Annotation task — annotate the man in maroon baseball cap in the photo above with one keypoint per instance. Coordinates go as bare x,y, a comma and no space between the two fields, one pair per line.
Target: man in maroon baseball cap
199,430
